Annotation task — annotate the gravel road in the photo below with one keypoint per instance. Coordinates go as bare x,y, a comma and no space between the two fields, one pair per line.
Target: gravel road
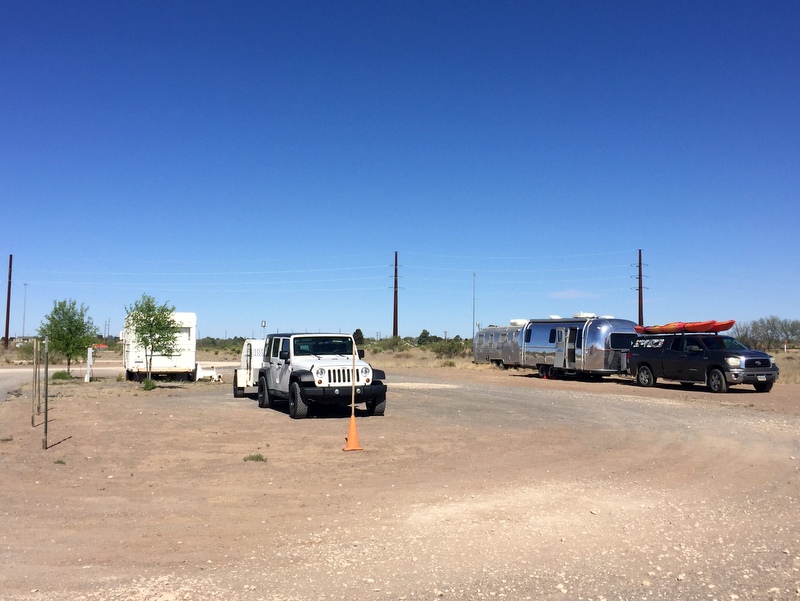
475,485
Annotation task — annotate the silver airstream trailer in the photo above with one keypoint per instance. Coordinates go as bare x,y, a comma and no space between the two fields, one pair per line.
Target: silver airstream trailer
583,344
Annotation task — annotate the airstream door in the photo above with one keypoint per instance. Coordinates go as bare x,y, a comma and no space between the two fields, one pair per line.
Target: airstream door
561,344
572,342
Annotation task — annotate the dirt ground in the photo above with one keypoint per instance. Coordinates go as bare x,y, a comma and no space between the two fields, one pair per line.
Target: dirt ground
474,485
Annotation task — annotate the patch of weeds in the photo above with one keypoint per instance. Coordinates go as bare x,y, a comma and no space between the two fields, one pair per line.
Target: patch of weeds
255,457
149,384
8,439
62,375
60,462
120,377
448,363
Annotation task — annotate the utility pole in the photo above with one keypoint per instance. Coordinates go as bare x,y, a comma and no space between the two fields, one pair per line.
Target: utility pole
394,322
473,305
641,295
24,303
8,298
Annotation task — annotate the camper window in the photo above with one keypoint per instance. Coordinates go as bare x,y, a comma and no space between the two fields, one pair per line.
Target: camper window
552,336
622,341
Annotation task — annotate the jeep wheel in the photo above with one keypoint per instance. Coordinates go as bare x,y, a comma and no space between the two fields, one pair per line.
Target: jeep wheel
377,406
716,381
237,392
262,392
645,377
763,386
298,408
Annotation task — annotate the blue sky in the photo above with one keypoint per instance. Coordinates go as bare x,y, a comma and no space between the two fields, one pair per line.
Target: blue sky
255,161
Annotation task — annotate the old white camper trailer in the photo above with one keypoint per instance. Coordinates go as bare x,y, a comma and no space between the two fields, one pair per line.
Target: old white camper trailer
181,365
245,377
583,344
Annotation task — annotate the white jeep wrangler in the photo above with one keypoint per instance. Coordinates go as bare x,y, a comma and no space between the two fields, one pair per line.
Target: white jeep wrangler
307,369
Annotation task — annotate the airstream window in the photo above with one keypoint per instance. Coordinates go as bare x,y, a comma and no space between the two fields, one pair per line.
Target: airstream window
552,336
528,334
579,339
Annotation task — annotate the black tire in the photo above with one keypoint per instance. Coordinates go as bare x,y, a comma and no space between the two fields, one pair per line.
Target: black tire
298,408
237,392
377,406
763,386
645,377
262,392
716,381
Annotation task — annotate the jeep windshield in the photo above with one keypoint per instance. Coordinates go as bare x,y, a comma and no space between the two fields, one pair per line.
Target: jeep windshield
723,343
323,345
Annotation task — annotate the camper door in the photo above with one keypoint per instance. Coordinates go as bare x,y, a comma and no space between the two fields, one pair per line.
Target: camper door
565,347
560,347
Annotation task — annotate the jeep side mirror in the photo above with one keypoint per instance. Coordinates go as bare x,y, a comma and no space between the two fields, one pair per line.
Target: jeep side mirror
283,355
360,353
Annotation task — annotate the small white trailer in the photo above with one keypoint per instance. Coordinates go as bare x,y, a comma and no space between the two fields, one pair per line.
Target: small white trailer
181,365
245,377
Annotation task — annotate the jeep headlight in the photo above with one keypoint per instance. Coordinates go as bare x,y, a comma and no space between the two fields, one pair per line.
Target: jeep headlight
320,372
733,361
365,371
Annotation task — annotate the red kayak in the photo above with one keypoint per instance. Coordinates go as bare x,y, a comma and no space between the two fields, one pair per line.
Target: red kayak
676,327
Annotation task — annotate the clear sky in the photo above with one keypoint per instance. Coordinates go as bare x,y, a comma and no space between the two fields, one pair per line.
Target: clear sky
260,160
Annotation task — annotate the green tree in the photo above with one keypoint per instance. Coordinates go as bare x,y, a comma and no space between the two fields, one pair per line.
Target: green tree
154,328
69,330
358,337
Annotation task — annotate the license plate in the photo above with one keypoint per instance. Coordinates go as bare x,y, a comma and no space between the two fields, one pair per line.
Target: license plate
761,378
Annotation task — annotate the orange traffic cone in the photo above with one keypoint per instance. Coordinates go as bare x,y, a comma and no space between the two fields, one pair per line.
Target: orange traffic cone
352,436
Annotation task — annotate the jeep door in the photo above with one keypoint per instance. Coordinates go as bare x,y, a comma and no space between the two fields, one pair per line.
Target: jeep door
278,368
283,367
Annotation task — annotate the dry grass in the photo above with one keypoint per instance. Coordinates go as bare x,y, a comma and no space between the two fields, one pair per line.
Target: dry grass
789,362
417,358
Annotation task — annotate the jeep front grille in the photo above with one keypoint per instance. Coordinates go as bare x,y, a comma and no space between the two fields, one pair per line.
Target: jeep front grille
341,376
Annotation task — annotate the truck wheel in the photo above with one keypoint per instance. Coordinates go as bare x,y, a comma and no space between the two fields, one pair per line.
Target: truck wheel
645,377
237,392
763,386
298,409
377,406
716,381
262,392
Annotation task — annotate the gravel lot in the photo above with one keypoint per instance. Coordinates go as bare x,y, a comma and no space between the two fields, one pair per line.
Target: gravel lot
475,485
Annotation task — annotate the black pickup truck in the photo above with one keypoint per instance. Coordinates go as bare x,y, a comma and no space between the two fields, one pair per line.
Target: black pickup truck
714,360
